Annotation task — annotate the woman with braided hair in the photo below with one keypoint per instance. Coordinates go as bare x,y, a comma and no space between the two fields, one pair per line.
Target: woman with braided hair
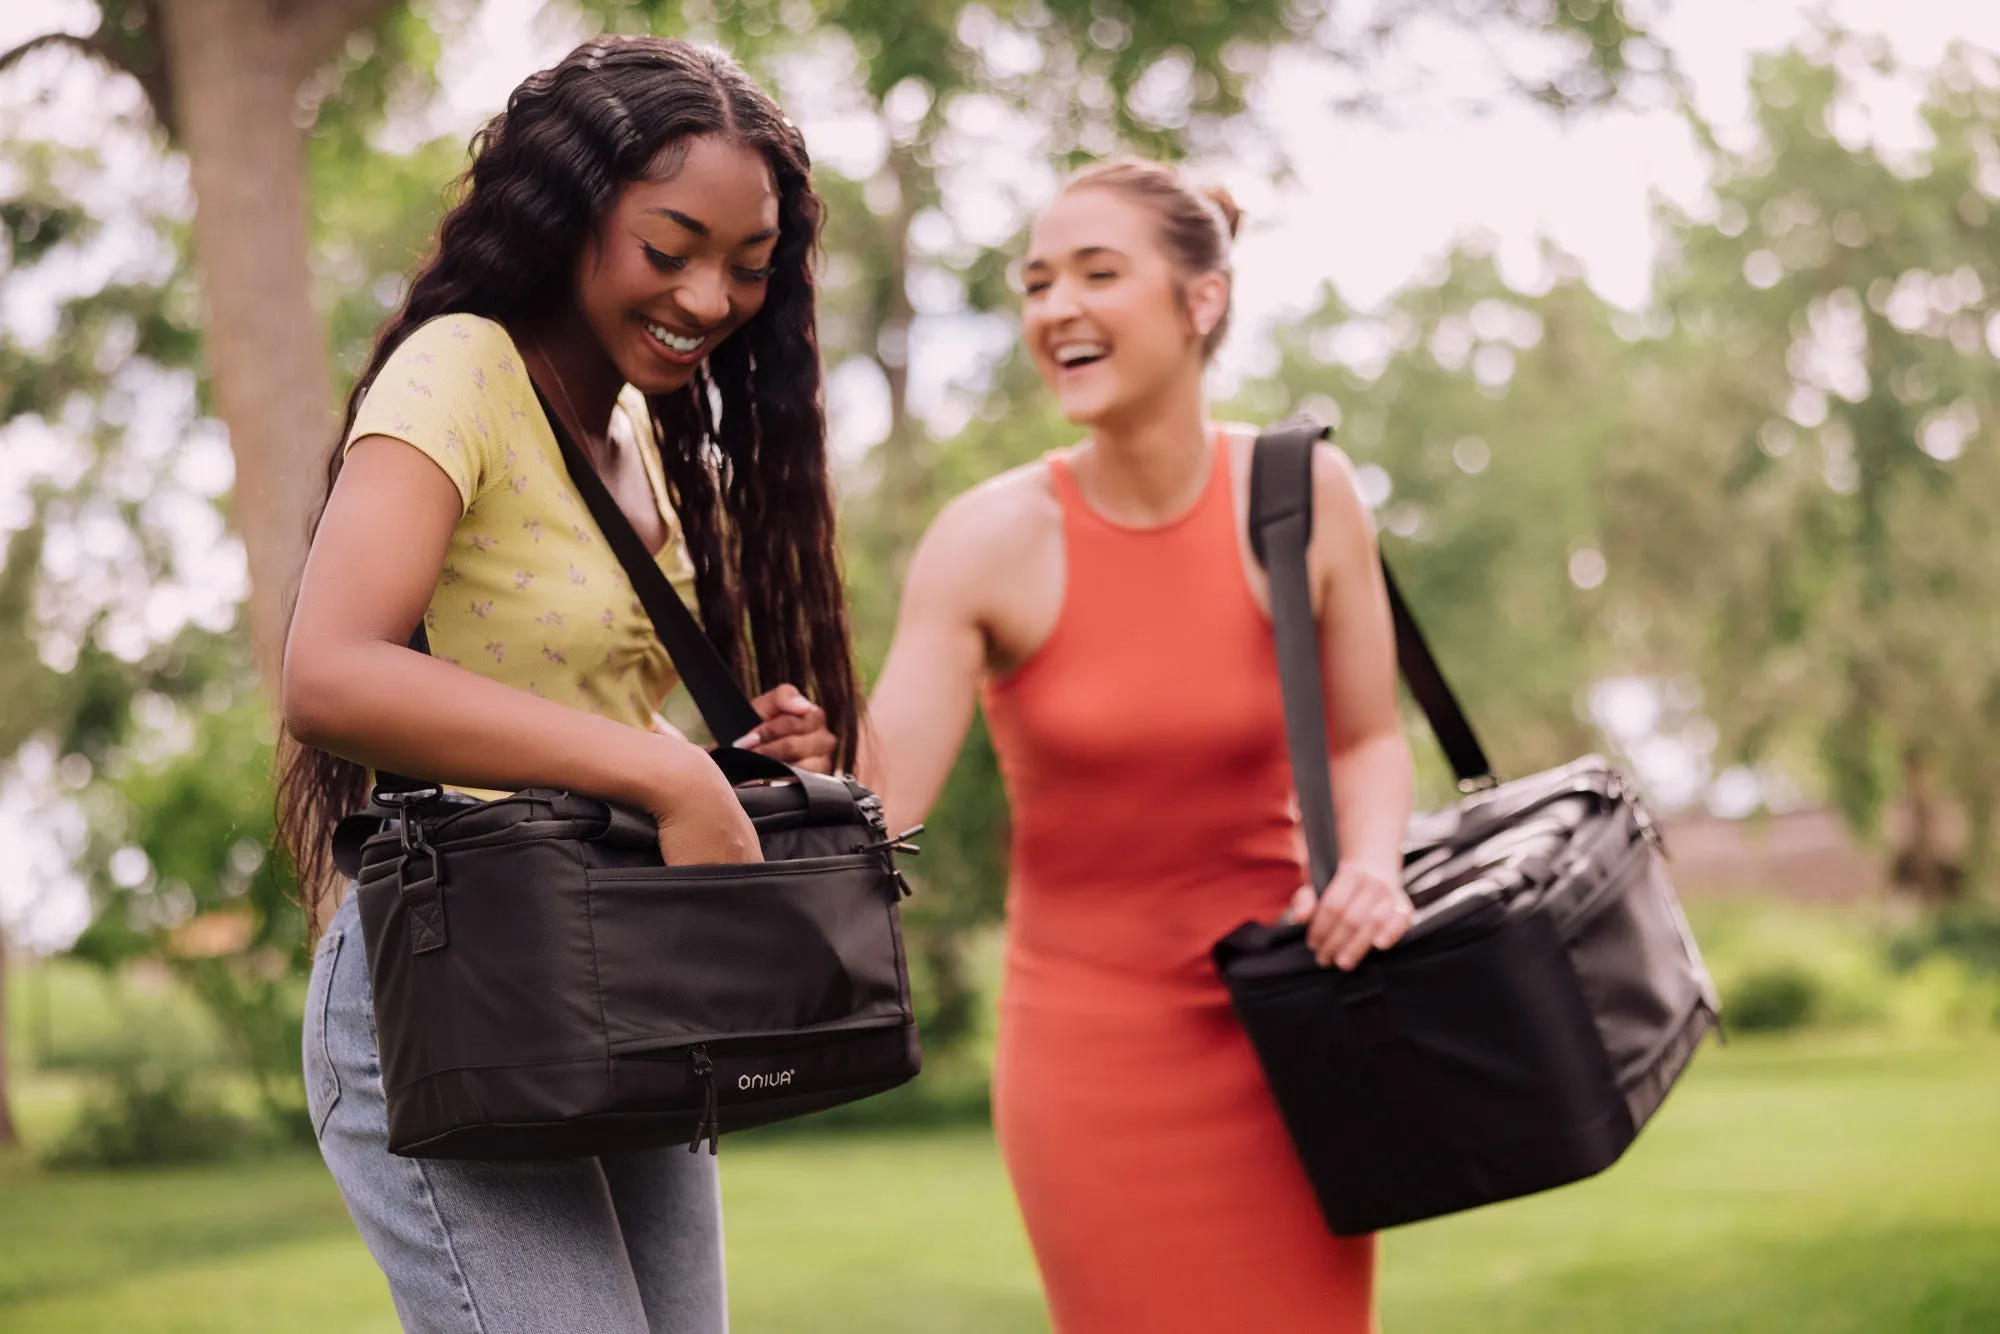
632,255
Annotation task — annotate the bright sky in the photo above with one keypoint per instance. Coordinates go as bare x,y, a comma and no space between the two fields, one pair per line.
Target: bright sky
1373,201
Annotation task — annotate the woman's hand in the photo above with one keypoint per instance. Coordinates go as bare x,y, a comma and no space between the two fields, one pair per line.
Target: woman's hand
1363,909
700,820
793,730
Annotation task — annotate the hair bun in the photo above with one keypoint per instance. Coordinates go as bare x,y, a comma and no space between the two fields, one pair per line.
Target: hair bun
1225,204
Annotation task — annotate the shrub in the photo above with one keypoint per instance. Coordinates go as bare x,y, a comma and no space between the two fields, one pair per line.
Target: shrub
148,1111
1774,998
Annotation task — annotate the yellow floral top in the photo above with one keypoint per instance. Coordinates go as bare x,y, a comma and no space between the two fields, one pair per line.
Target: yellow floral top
530,594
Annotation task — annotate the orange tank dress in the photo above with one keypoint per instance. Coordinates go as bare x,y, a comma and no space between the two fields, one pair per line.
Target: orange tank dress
1143,750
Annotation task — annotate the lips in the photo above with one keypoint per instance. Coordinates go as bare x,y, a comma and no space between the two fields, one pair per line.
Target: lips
1076,353
681,349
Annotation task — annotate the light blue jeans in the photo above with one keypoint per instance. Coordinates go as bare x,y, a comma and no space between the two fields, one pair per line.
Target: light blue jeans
623,1244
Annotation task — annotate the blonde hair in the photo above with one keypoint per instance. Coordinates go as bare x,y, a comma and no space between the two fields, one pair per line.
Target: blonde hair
1196,225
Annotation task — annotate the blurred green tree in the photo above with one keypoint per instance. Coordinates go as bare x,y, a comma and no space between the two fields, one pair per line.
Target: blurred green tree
1810,472
1481,421
237,86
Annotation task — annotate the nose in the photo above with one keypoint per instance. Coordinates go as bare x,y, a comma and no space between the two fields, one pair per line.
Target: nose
1058,301
703,295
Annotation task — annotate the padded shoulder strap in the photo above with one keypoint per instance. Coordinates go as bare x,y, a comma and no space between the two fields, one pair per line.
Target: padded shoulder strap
1280,528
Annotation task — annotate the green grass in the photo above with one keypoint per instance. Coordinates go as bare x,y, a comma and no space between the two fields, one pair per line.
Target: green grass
1806,1188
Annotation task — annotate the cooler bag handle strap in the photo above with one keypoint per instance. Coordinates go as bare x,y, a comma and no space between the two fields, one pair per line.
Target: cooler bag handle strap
1280,529
1434,696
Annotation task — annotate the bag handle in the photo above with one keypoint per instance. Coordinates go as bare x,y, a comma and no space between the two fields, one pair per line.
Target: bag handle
724,707
1280,529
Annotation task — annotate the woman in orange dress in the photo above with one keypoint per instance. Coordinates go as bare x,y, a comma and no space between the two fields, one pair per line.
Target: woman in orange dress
1104,606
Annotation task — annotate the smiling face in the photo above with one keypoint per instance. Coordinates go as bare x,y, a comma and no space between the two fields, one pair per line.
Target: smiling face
1109,321
679,264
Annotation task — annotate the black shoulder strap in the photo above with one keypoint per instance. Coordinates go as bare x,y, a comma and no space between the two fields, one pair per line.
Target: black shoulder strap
1280,528
716,693
724,708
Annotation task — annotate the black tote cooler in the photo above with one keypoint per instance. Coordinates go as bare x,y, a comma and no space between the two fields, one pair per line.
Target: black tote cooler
1546,995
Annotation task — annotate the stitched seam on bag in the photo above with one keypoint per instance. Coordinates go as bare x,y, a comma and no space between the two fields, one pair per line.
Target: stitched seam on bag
493,1065
886,1021
450,1248
383,867
596,974
639,1046
643,875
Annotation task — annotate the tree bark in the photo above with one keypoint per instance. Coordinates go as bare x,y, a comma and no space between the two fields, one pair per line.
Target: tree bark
237,69
8,1135
1921,864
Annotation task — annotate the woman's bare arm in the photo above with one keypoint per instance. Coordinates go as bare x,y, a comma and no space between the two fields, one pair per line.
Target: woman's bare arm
921,707
1365,907
353,687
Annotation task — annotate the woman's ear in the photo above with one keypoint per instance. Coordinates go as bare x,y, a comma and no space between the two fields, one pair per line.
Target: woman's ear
1208,302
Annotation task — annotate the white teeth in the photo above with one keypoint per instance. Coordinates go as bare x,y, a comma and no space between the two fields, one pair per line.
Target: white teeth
1069,354
672,341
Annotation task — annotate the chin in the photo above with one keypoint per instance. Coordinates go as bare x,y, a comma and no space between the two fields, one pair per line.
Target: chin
652,377
1090,409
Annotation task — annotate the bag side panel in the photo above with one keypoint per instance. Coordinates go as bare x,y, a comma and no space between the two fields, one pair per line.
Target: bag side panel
1641,976
513,985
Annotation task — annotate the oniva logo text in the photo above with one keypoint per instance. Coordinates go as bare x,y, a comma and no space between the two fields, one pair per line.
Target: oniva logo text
777,1079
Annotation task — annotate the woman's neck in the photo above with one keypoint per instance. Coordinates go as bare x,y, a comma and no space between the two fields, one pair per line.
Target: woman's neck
1150,466
573,372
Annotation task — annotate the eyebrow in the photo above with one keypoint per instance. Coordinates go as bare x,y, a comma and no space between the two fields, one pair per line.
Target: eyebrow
1088,252
700,228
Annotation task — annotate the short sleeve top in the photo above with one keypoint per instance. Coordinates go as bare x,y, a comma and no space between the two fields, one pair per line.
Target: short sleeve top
530,594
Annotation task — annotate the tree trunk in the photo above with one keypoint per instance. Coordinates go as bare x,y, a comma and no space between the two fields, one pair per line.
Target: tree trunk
8,1135
237,68
1921,864
905,472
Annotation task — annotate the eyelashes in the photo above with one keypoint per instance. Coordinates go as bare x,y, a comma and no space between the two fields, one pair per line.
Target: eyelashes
662,261
666,263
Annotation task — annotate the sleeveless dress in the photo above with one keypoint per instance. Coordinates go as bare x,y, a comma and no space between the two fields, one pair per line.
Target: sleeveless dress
1143,751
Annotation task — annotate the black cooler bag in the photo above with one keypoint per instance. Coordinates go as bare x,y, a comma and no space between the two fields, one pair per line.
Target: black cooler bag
546,988
1546,996
563,993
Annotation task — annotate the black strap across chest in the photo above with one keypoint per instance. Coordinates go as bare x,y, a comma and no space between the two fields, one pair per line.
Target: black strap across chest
717,694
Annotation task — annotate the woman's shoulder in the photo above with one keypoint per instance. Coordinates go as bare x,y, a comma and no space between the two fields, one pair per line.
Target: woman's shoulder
1004,505
461,340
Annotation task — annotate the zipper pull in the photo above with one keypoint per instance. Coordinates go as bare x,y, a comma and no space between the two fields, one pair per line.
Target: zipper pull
898,843
710,1125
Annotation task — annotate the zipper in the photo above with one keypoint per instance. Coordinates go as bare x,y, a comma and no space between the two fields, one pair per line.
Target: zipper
888,846
710,1126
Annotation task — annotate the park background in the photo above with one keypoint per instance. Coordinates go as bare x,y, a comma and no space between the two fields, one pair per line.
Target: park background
1665,339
